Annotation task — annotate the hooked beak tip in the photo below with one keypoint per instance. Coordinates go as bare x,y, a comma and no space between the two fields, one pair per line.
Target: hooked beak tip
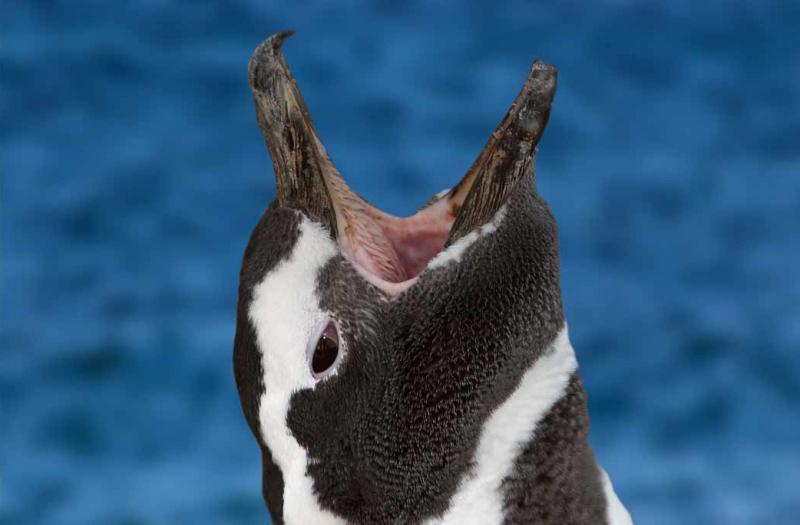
267,59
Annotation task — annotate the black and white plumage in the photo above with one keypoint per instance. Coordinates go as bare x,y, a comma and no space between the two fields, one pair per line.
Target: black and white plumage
411,370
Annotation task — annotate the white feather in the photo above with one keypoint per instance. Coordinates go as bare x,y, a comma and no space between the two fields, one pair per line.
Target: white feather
285,313
479,498
455,251
616,513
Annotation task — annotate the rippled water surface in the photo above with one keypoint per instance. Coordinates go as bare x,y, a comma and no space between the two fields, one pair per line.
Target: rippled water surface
132,171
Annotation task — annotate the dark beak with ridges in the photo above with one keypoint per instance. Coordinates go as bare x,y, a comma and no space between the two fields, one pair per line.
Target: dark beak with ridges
301,164
508,155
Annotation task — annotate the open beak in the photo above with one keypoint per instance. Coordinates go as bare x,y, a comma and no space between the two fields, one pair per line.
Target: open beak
390,251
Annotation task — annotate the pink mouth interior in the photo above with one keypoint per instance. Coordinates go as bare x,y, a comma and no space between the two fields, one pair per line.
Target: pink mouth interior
392,251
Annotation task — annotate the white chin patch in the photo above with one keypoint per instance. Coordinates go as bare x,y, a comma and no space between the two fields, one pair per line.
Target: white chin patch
286,314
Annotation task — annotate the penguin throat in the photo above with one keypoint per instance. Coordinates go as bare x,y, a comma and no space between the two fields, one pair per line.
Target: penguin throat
389,251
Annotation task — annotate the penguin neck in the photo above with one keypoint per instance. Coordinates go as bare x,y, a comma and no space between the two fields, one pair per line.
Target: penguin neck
555,478
533,459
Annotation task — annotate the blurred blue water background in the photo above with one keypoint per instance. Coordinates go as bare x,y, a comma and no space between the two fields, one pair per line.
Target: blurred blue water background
133,170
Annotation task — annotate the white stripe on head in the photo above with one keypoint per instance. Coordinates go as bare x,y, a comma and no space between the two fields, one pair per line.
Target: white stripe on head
455,251
286,314
479,498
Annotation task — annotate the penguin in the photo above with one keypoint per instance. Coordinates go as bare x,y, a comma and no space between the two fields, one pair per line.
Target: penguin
411,370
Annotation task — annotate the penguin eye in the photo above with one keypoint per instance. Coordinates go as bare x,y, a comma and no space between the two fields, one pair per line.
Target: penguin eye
325,353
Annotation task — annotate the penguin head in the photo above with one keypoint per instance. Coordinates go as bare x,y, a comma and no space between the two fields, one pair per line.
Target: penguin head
369,348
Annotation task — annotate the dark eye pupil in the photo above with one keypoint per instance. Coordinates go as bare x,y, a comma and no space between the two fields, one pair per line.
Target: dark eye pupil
325,353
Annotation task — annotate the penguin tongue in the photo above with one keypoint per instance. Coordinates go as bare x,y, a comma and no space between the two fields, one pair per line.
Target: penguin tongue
360,234
393,249
372,250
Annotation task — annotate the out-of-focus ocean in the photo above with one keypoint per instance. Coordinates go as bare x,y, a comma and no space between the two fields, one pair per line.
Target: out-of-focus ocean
133,170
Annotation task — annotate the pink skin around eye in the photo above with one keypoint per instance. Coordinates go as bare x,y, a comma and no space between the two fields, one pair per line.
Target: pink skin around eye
331,332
